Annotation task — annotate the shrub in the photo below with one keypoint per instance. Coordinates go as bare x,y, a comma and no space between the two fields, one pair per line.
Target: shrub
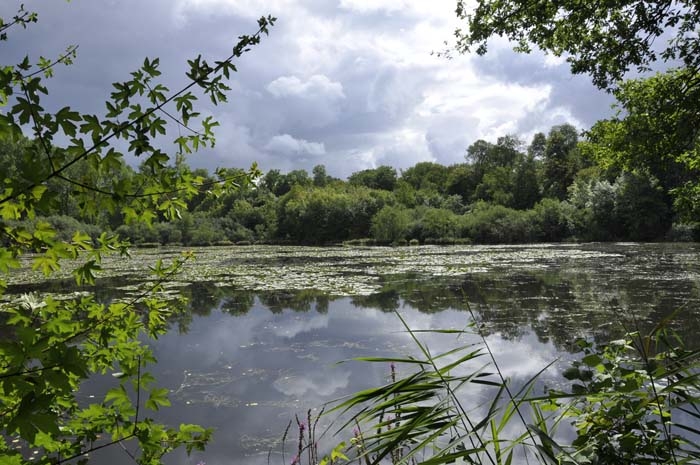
148,245
206,232
138,233
684,232
168,233
496,224
436,224
551,220
360,242
390,224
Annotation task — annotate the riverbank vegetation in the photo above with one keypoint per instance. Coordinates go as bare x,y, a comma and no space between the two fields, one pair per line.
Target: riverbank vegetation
630,400
559,187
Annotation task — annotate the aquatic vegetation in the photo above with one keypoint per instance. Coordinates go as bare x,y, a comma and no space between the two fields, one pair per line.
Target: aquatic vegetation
551,293
633,400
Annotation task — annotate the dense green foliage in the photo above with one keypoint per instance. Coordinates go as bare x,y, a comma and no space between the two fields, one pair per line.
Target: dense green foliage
557,188
603,39
656,132
59,207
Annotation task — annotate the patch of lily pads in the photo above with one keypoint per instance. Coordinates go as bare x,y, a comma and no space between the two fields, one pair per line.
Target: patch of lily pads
338,271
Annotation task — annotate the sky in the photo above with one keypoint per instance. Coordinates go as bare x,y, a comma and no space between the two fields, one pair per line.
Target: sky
349,84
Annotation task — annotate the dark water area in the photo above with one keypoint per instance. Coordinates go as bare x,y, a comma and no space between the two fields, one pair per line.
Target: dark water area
248,356
248,376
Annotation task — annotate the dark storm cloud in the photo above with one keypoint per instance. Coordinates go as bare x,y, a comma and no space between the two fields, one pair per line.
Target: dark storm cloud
347,83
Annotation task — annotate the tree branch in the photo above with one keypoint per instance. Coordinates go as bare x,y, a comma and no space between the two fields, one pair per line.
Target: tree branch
244,42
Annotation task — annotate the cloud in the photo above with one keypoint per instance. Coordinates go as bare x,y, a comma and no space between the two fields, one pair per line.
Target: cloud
286,144
303,105
292,329
316,383
318,85
572,98
365,6
350,84
250,9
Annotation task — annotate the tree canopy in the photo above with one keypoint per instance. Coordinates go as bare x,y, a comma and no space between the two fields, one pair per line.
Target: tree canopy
602,39
656,129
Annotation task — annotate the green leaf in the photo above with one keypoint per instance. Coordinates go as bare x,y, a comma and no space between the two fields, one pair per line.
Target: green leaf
11,458
158,398
118,397
46,264
592,360
66,118
87,273
7,260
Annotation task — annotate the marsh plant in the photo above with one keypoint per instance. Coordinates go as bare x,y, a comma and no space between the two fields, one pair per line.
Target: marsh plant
632,400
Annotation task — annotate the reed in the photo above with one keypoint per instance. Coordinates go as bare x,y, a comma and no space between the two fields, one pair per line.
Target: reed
630,401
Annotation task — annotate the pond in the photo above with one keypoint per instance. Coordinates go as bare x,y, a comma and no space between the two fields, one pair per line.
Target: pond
267,326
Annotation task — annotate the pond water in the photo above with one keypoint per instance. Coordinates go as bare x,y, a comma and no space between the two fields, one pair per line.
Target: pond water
267,326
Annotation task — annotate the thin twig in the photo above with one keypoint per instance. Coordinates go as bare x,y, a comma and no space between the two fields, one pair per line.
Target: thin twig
71,51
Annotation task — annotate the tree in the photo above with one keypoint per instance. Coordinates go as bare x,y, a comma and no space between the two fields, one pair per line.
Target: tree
641,207
602,39
383,177
496,186
390,224
658,131
560,163
494,166
272,181
279,184
537,146
657,128
426,175
526,188
50,346
321,178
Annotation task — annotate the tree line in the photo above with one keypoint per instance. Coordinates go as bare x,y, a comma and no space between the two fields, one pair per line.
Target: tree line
557,187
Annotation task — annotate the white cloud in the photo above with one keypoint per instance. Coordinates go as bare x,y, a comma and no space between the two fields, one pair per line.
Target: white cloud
317,383
366,6
286,144
301,325
317,85
251,9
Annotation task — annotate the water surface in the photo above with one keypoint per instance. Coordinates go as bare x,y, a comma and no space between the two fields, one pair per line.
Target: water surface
267,326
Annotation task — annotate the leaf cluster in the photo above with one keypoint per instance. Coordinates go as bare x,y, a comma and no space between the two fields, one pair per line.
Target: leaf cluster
602,39
51,347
